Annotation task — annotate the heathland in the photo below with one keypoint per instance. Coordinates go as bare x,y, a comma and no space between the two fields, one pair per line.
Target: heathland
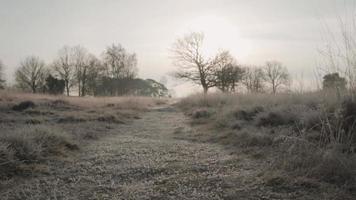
247,146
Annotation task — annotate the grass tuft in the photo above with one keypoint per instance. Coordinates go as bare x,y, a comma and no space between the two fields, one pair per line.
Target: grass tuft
23,106
32,144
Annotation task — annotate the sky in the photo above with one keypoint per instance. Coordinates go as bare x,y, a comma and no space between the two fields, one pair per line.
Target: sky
254,31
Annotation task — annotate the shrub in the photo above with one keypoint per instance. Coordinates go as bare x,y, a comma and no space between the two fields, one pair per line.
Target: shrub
54,85
249,114
31,144
23,106
201,113
276,118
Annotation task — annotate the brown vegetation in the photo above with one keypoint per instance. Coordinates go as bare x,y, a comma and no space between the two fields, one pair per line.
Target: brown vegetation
302,136
37,128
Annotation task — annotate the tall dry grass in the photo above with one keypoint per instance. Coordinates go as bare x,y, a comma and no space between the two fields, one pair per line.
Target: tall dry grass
125,102
38,127
310,134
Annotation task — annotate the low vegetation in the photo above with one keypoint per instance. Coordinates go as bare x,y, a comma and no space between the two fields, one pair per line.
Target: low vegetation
309,136
38,128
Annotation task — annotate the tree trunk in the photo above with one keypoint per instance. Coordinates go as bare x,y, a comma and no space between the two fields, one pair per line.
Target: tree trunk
83,88
79,88
67,87
33,87
205,89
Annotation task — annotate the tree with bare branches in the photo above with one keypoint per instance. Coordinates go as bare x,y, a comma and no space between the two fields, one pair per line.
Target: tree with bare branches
31,74
253,79
96,71
276,75
227,72
80,62
193,65
64,68
120,64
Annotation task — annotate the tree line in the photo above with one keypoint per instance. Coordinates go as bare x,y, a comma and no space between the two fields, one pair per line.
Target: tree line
115,72
75,67
222,71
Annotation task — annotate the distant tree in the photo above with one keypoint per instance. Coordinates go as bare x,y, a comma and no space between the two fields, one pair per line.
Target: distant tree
31,74
193,65
64,68
93,76
149,87
227,72
253,79
276,75
2,80
119,63
80,59
334,81
54,85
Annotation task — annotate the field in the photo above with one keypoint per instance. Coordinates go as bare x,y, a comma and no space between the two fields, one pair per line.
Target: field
300,140
38,131
253,146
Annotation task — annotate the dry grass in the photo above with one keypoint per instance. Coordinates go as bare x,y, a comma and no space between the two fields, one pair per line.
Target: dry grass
124,102
36,128
31,144
306,135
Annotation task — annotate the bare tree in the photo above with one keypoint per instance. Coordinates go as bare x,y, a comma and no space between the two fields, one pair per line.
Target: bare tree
64,68
120,64
2,80
276,75
227,72
193,66
92,76
253,79
80,62
31,74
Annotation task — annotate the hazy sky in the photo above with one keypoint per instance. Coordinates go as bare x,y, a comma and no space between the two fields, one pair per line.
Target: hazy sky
254,31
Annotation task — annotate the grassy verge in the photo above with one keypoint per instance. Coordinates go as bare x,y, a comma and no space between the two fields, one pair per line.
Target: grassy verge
310,136
39,128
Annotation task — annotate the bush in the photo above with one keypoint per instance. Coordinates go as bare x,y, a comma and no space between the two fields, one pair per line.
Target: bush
54,85
23,106
276,118
249,114
32,144
201,113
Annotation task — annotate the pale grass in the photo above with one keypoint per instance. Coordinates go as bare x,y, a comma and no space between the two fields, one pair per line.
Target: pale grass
126,102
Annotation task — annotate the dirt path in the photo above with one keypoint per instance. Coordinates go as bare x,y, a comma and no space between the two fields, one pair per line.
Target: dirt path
145,160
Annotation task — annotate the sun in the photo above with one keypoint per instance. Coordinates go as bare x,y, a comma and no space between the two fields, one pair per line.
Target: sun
220,33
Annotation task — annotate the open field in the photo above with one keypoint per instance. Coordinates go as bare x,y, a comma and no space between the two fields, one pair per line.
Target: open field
212,147
37,130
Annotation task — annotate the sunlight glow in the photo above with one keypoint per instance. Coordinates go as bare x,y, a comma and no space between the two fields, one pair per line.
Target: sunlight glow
220,34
